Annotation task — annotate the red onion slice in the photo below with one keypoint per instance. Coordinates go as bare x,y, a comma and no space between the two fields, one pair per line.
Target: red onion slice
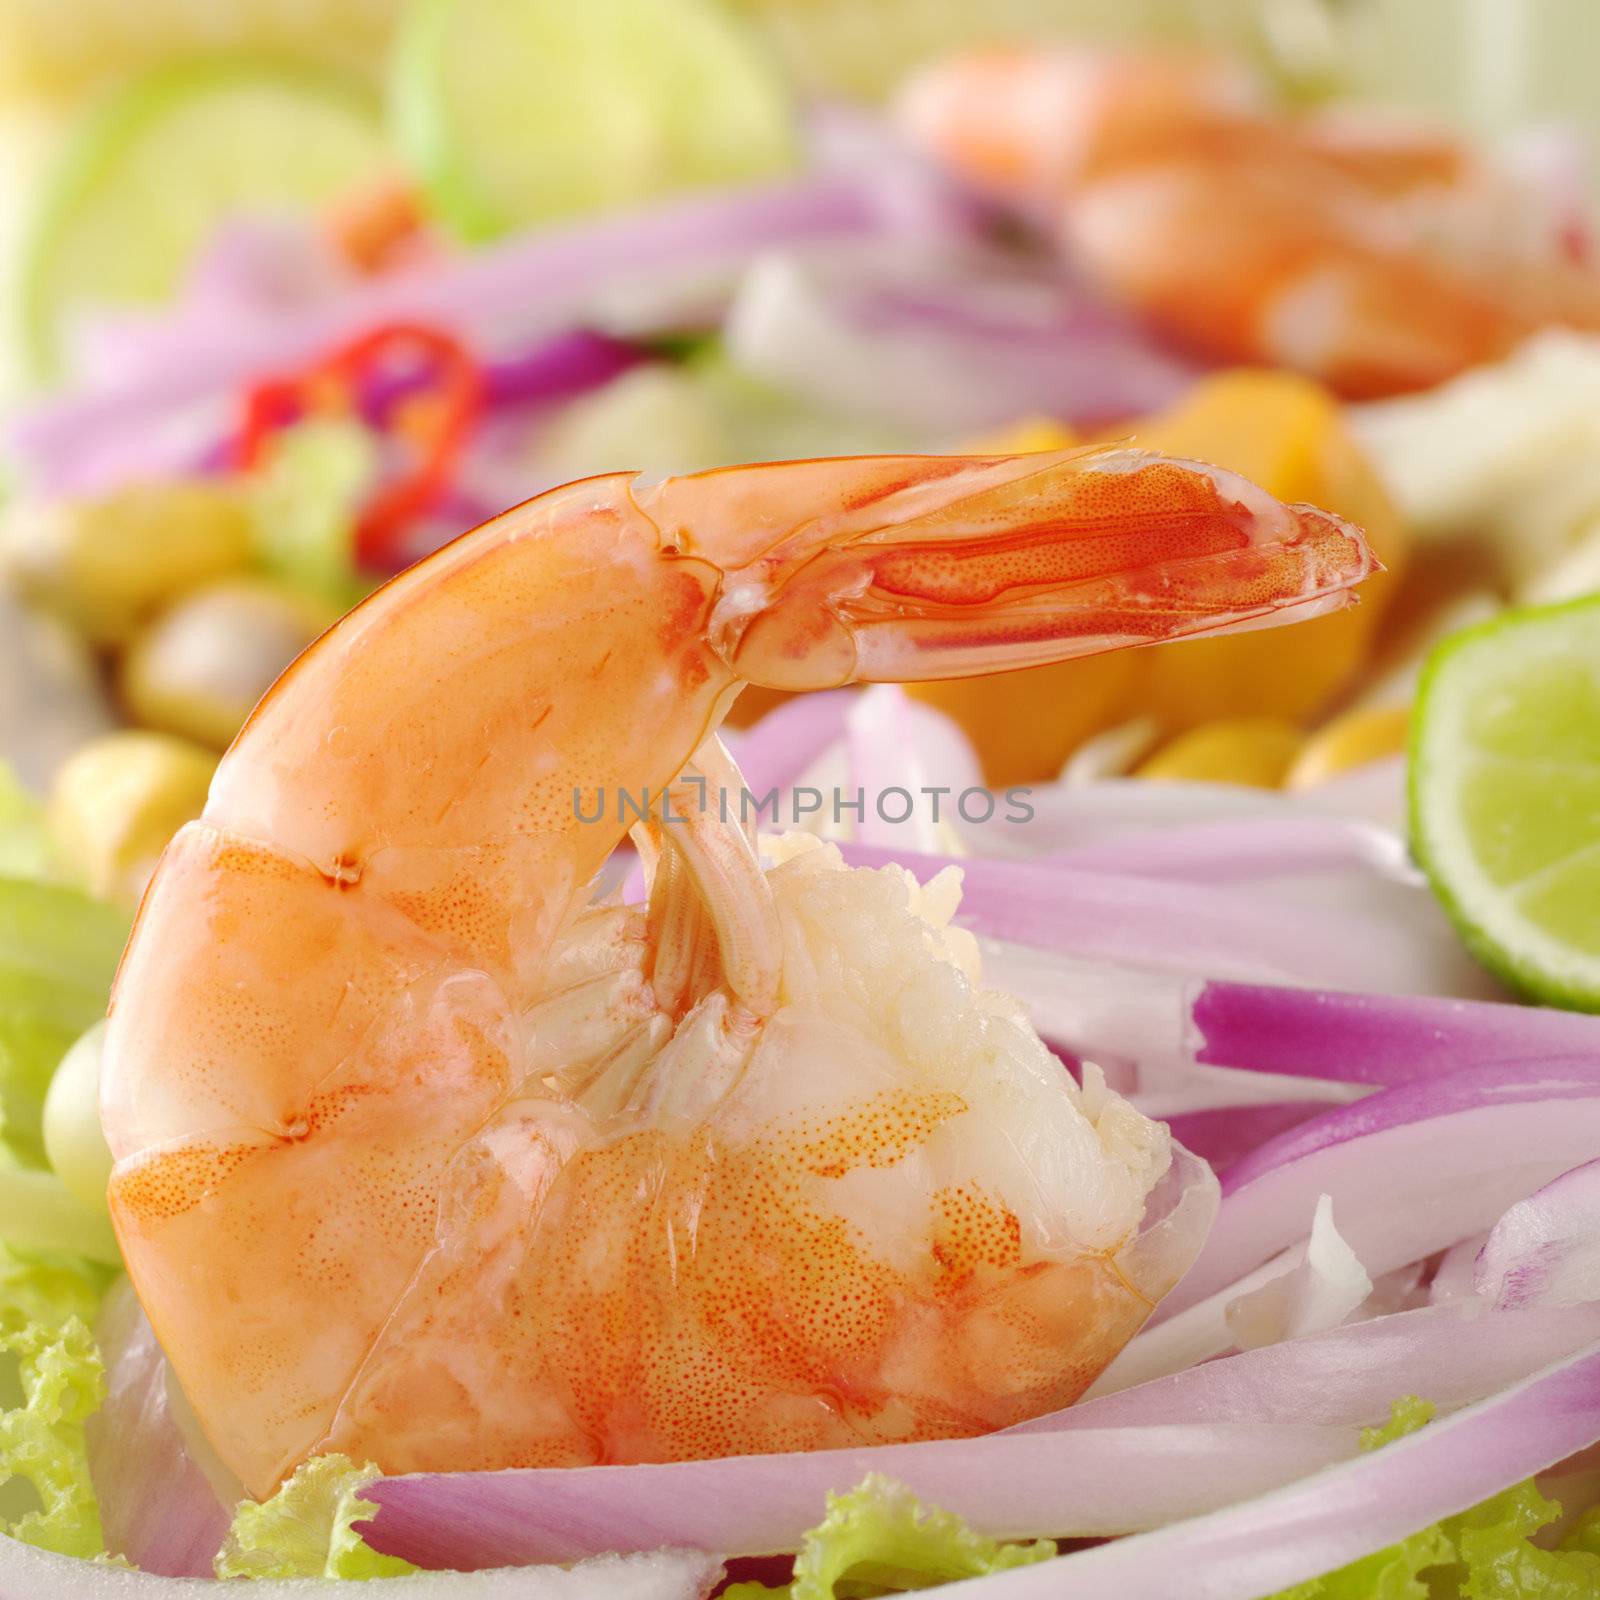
1097,1480
1411,1169
1230,848
775,753
1454,1354
157,1506
1107,1466
1336,1516
1377,1039
946,341
1149,922
537,281
899,748
1546,1249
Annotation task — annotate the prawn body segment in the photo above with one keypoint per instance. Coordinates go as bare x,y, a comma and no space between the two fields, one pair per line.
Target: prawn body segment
424,1157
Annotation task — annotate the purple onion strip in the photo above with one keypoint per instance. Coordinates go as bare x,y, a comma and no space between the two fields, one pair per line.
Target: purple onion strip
1364,1038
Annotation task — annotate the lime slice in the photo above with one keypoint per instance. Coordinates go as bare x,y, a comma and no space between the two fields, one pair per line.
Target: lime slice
1505,795
513,112
149,174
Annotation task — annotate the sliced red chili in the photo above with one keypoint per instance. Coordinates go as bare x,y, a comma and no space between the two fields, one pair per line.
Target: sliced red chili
433,410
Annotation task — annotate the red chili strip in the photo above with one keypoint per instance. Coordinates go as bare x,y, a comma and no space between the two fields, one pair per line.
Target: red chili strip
435,420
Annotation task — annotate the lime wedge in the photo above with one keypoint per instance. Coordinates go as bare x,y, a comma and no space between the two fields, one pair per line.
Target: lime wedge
149,174
1505,795
514,112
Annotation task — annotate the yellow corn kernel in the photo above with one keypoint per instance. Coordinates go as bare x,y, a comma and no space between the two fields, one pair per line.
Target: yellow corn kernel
199,668
1289,435
1285,433
109,565
1254,751
118,800
1348,742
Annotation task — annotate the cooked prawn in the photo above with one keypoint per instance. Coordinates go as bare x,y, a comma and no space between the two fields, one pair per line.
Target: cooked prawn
426,1155
1379,258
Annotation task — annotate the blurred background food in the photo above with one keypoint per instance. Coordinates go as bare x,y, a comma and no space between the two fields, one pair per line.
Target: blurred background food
298,289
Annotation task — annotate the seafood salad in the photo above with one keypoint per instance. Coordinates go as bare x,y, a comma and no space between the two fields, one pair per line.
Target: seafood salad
791,820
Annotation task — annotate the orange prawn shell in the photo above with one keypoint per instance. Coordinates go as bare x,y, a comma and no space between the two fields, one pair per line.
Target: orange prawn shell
680,1299
358,1187
645,1295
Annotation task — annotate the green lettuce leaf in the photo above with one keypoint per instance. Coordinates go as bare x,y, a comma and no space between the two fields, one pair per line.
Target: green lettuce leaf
30,1048
41,1214
1405,1416
882,1540
1391,1574
51,1380
1482,1554
304,1530
1584,1539
1496,1561
58,954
